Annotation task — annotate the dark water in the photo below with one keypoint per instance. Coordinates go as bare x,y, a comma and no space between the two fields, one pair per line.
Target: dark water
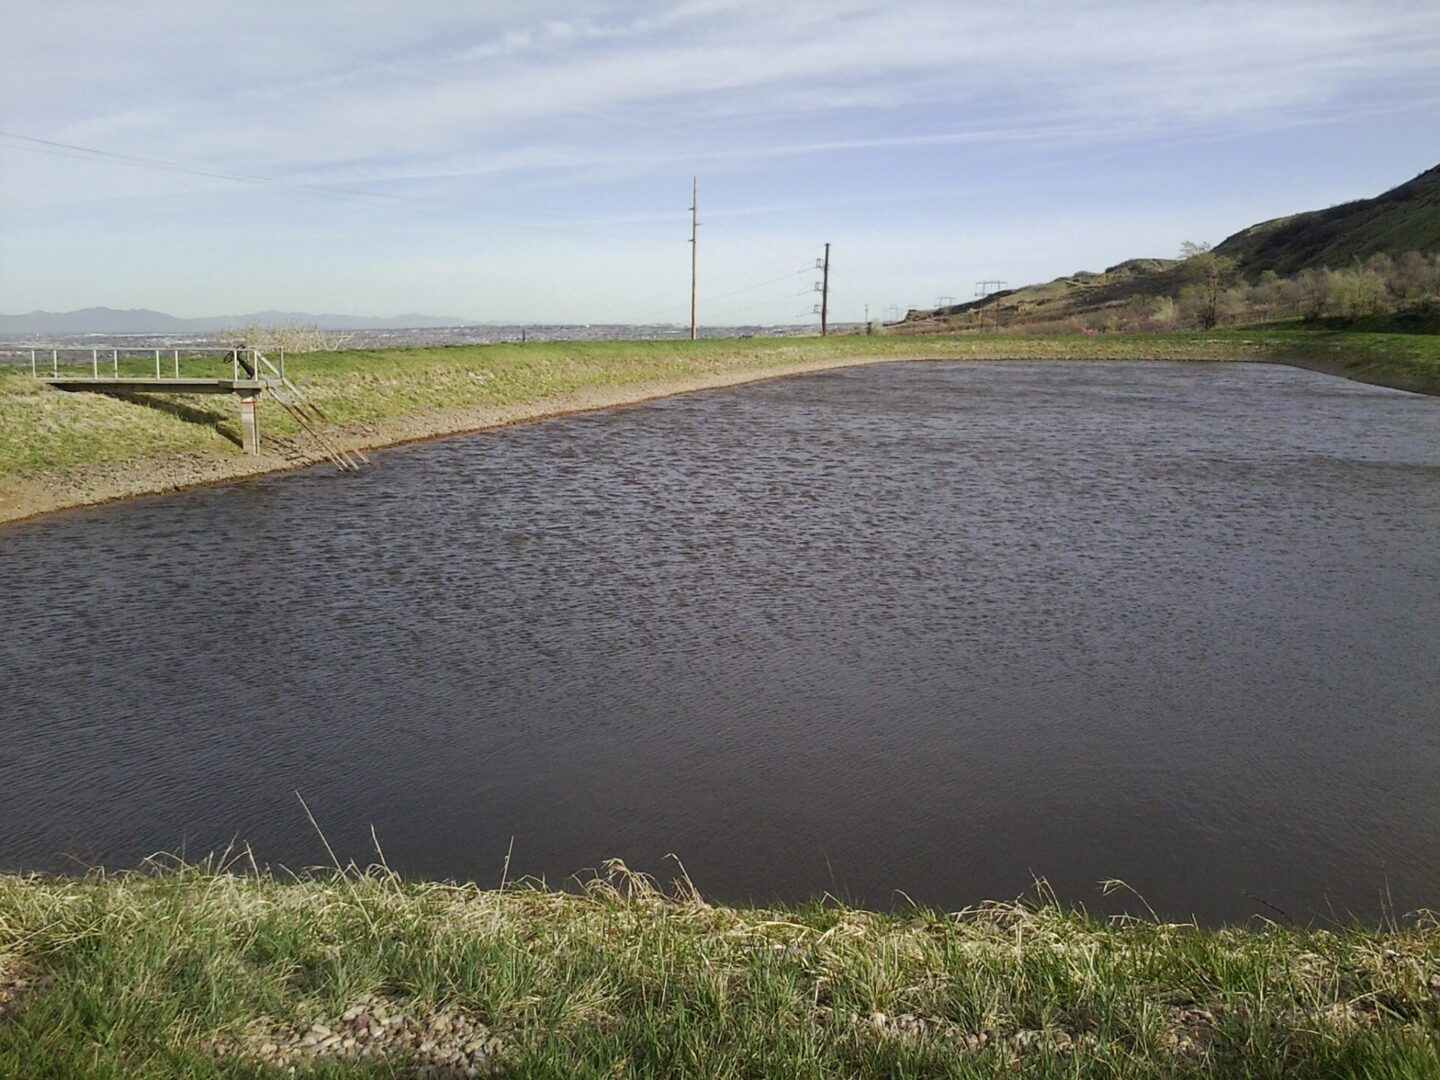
931,628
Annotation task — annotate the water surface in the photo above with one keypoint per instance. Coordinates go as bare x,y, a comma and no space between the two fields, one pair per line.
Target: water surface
935,628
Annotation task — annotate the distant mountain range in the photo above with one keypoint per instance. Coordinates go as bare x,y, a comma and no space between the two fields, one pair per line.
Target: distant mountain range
104,320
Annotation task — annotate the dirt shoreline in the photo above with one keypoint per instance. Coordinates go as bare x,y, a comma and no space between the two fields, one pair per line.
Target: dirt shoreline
93,485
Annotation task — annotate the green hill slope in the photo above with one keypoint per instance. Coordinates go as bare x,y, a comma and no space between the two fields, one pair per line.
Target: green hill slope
1405,218
1082,291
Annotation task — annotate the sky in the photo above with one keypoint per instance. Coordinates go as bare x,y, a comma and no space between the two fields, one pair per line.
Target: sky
532,162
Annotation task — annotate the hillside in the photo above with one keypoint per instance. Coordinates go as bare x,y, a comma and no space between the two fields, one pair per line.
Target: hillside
1404,219
1052,301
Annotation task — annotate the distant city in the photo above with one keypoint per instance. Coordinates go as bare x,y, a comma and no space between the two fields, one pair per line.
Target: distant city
15,347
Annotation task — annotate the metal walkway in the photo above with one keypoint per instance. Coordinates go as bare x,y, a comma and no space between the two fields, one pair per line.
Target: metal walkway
252,375
126,384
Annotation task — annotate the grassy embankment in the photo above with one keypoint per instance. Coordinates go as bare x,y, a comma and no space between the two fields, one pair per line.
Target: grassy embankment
195,973
59,449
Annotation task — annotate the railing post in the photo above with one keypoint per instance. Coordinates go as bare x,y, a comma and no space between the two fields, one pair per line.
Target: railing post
157,363
54,363
95,362
115,362
34,374
177,363
282,361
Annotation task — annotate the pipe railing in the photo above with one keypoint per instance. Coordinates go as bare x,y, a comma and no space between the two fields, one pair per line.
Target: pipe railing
64,359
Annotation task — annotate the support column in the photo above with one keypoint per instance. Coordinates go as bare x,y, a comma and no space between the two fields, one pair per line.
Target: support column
250,423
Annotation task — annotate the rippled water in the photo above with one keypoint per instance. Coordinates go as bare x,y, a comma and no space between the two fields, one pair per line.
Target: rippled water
923,627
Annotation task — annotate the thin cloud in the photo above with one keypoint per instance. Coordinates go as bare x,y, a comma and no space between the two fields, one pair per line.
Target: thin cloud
729,62
522,112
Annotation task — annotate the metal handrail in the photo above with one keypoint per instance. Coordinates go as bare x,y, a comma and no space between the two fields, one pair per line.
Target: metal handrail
261,371
59,352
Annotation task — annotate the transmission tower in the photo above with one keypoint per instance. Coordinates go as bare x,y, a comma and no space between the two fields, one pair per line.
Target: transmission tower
989,287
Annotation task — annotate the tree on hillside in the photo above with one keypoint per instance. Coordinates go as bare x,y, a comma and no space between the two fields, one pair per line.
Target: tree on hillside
1416,276
1273,296
1207,276
1314,288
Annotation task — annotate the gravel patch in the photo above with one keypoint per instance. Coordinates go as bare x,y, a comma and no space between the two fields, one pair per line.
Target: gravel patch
442,1044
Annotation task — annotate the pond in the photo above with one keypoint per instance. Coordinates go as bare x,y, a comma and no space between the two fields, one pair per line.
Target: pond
918,631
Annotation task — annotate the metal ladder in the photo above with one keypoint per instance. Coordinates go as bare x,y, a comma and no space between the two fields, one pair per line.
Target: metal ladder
306,413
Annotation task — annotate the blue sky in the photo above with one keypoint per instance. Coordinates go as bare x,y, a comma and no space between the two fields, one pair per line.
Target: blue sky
532,161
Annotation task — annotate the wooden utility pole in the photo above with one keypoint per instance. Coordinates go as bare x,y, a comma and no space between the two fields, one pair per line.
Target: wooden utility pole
694,249
825,295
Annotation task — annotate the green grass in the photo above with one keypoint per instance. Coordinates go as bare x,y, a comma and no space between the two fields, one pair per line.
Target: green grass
191,972
1423,320
45,433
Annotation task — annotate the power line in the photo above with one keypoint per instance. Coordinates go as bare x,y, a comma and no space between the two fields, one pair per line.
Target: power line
855,285
193,170
724,312
727,295
56,147
758,285
435,207
772,254
741,260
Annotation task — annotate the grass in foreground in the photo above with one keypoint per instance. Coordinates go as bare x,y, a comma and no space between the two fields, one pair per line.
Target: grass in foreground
47,432
197,973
